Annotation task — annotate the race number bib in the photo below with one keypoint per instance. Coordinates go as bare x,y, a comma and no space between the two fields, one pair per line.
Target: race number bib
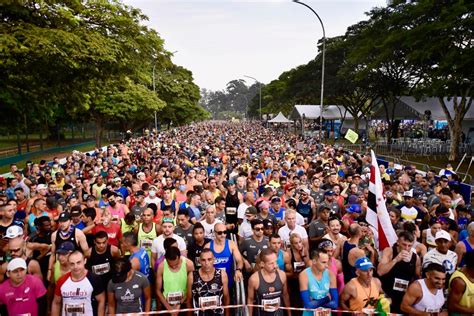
271,305
175,298
432,310
101,269
74,309
146,243
208,302
231,210
298,266
400,285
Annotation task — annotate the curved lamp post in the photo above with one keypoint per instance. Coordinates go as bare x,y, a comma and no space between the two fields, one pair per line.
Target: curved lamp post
260,94
322,71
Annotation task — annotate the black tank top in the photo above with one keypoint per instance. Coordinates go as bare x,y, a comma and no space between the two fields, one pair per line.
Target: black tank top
100,264
71,238
231,204
297,266
212,291
396,281
347,269
269,295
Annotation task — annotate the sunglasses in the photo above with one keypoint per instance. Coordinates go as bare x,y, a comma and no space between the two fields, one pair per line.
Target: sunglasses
222,232
258,229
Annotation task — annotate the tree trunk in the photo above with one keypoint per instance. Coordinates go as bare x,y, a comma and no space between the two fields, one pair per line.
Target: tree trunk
455,131
356,124
99,129
26,134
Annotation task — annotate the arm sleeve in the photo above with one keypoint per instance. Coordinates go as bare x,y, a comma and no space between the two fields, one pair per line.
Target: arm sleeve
334,302
312,304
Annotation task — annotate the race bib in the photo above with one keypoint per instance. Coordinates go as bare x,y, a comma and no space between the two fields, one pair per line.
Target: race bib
271,305
400,285
101,269
231,210
208,302
146,243
298,266
74,309
175,298
432,310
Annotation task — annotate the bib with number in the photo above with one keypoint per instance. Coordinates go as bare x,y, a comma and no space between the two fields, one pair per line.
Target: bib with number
231,210
209,301
271,305
146,243
400,285
298,266
175,298
101,269
74,309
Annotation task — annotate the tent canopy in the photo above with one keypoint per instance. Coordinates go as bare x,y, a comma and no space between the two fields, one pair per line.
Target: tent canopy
312,112
407,108
280,118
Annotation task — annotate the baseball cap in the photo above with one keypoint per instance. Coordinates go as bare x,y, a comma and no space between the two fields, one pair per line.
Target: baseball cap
140,193
231,182
353,199
14,231
75,212
42,187
305,190
329,193
364,264
63,217
117,179
251,210
354,208
442,234
408,193
167,220
66,247
17,263
267,223
276,199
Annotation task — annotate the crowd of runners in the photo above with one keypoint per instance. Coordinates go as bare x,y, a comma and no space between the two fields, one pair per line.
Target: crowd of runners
175,220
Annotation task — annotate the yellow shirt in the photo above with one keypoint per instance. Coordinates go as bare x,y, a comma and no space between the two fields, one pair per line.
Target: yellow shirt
467,299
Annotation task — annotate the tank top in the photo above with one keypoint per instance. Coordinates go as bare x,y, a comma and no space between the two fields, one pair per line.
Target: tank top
278,215
281,260
175,283
100,264
146,239
269,295
231,204
468,249
360,301
429,302
304,209
72,238
224,260
466,298
142,256
117,213
396,281
339,276
208,293
297,266
430,240
163,205
347,269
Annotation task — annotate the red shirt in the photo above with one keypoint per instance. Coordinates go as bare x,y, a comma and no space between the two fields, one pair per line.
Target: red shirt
113,231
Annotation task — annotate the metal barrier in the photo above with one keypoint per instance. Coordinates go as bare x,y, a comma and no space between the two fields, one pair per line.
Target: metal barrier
239,287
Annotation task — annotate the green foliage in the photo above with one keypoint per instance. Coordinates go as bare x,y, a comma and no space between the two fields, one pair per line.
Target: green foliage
83,60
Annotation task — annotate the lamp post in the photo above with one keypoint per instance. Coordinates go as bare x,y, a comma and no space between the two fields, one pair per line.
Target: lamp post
154,90
260,94
322,70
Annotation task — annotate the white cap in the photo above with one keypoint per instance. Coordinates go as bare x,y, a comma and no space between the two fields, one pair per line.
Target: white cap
14,231
117,179
16,264
442,234
306,190
41,187
408,193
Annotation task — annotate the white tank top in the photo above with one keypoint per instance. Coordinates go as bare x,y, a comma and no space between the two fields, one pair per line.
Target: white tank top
430,302
430,239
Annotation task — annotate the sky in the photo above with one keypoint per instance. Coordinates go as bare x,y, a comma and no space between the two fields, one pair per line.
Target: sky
223,40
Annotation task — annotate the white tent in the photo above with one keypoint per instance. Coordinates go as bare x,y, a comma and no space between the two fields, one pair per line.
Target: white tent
434,106
312,112
280,118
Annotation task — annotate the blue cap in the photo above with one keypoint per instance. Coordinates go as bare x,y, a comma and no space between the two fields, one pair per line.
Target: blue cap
329,193
66,247
364,264
354,208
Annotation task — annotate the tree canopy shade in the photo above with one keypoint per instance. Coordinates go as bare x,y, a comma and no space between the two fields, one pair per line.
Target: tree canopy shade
86,60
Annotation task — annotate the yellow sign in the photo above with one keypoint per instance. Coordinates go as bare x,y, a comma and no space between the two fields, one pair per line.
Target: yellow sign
351,136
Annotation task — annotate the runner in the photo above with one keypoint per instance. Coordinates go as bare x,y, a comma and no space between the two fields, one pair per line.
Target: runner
101,256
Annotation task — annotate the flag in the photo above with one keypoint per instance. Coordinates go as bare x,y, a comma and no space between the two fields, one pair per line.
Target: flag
351,136
377,214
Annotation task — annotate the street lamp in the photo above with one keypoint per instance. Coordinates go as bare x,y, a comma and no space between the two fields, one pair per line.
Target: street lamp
322,71
260,94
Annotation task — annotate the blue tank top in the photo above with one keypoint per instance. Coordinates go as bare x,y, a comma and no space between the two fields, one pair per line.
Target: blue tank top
280,260
304,209
224,260
279,215
163,205
142,256
317,288
31,221
468,249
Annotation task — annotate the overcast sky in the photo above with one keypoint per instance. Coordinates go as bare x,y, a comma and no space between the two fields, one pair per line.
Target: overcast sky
222,40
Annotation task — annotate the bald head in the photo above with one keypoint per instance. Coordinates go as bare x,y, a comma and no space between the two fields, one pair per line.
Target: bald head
355,230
